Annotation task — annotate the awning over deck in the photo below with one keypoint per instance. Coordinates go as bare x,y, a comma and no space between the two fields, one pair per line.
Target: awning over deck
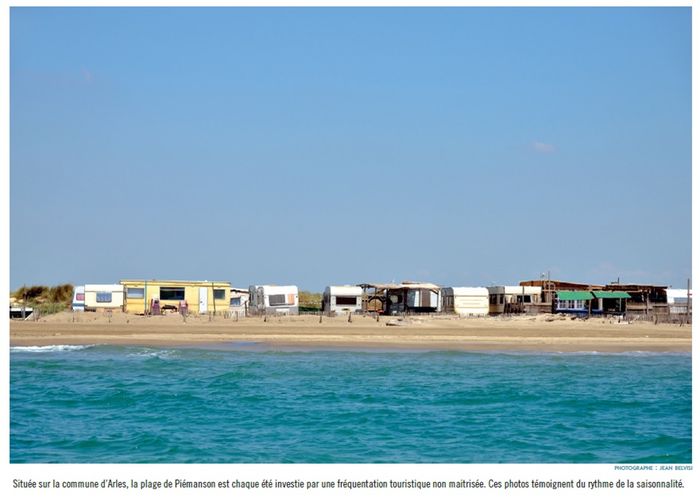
611,295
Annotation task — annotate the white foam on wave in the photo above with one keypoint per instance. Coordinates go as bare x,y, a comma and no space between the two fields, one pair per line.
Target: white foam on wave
49,348
631,353
153,353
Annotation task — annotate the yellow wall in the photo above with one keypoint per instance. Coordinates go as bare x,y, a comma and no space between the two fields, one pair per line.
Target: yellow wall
152,290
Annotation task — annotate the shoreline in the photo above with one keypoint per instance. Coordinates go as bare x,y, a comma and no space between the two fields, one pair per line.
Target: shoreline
524,334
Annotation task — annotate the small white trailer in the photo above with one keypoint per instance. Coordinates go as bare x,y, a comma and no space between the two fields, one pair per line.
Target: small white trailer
466,301
78,303
342,299
273,300
104,296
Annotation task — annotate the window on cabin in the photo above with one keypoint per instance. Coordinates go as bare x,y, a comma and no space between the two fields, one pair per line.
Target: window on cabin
277,299
346,300
103,297
572,304
220,294
134,292
80,296
235,301
172,293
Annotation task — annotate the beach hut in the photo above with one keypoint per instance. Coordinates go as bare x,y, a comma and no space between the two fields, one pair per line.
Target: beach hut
342,299
550,287
610,302
187,296
466,301
576,302
238,304
103,297
643,298
19,310
406,297
273,300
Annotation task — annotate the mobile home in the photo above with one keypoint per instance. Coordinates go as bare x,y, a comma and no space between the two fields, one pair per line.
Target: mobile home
497,299
522,294
513,298
103,297
78,298
273,300
466,301
341,299
157,296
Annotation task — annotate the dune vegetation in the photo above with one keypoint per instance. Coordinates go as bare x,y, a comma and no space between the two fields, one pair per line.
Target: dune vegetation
45,299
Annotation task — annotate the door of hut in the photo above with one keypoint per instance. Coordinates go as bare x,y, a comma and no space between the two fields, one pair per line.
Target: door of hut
425,298
203,299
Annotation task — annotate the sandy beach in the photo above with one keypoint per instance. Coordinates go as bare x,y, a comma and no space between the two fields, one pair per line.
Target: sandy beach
518,333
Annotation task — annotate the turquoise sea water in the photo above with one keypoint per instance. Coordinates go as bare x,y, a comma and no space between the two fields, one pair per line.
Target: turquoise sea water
242,404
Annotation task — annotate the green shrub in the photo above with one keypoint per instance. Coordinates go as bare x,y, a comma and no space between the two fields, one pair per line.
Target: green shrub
50,308
31,293
45,299
310,301
60,294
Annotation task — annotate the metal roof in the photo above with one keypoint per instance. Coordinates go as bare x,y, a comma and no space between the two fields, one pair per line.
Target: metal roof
403,285
518,289
558,284
634,287
611,295
574,295
347,290
194,283
278,289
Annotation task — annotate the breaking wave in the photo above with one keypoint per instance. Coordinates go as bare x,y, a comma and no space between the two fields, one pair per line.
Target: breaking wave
49,348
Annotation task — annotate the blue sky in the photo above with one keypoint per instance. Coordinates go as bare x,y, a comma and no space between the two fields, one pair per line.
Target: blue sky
465,146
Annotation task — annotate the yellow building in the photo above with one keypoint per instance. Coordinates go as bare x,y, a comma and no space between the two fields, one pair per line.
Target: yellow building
147,296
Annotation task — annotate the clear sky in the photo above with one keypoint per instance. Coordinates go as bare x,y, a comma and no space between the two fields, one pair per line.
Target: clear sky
314,146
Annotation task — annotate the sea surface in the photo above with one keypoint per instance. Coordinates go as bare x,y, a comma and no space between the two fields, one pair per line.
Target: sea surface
241,403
